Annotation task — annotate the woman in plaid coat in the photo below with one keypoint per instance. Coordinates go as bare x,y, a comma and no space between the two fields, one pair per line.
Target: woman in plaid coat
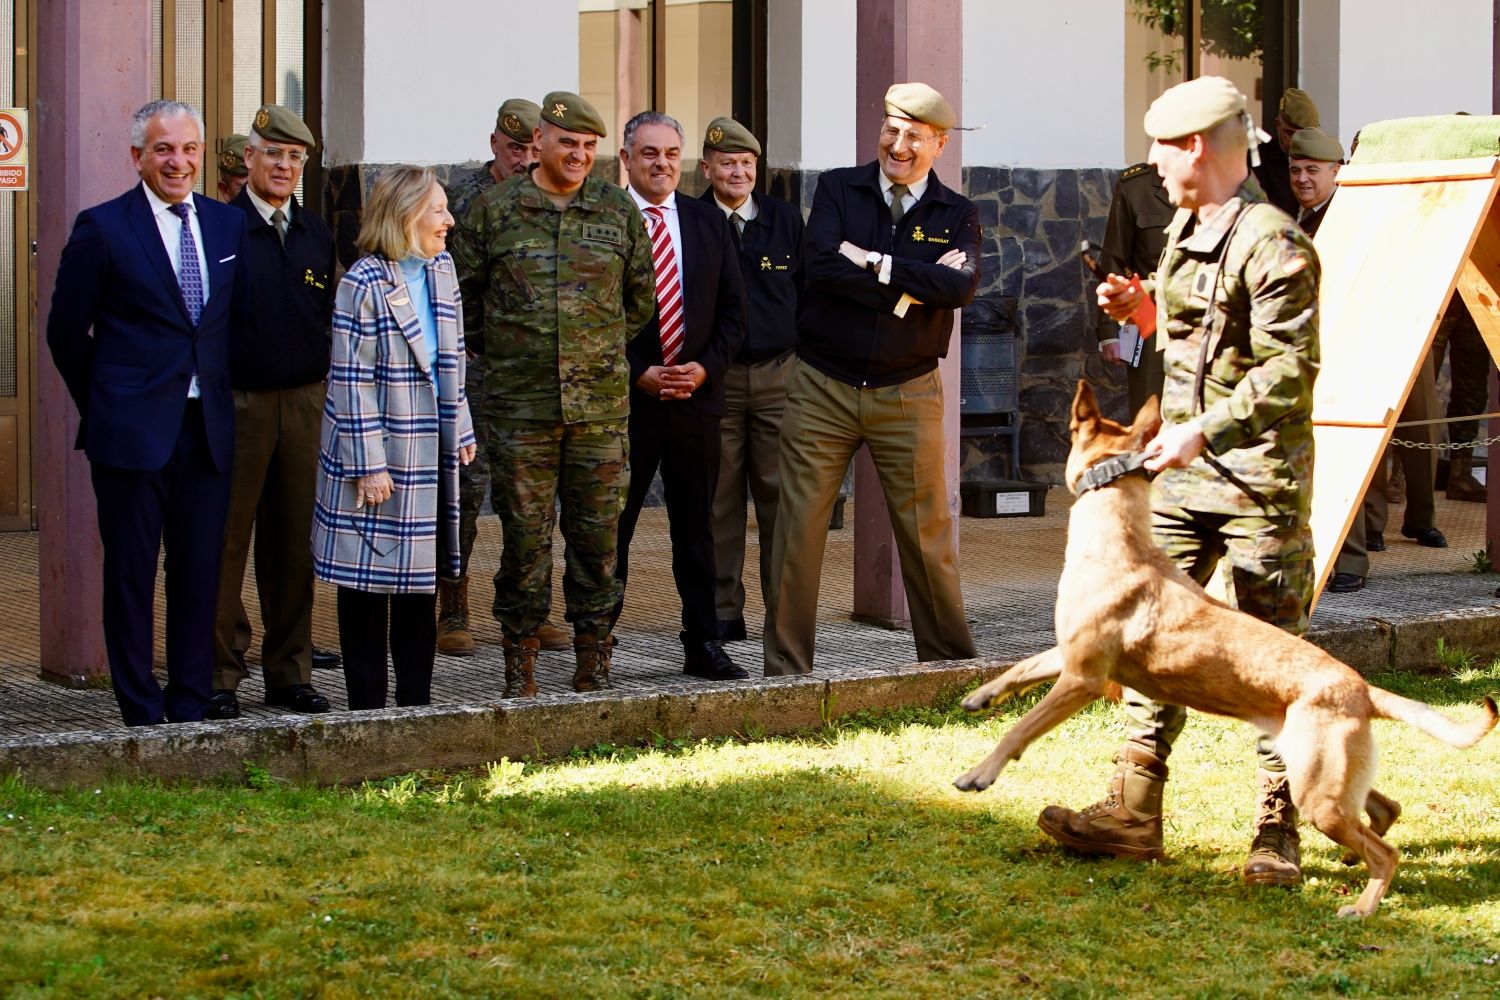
396,427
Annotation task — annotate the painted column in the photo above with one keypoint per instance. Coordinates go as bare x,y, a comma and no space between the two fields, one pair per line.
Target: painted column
902,40
96,73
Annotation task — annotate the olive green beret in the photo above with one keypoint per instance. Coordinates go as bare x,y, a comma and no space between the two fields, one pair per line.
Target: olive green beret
1195,106
729,136
1297,110
1315,144
518,119
232,160
280,124
572,112
920,103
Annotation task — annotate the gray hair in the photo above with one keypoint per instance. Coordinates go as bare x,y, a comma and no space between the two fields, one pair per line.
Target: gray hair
167,109
627,140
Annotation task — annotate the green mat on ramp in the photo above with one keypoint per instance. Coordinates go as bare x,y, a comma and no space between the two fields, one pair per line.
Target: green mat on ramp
1437,137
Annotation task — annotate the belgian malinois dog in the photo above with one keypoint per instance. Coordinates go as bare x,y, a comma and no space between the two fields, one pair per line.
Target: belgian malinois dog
1127,615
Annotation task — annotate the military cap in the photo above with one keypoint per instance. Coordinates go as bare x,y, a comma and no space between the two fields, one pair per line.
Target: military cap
232,160
1195,106
518,119
1315,144
572,112
920,103
1297,110
280,124
729,136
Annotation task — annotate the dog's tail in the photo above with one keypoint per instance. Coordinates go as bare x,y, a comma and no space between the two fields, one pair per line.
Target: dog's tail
1432,722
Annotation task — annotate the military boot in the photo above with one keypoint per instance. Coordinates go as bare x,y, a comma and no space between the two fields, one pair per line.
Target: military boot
553,637
1127,823
520,666
453,635
591,652
1461,482
1276,852
1395,483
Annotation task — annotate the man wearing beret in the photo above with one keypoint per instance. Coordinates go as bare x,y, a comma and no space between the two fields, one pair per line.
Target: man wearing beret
515,152
891,253
232,172
555,269
277,363
1235,450
768,236
1295,112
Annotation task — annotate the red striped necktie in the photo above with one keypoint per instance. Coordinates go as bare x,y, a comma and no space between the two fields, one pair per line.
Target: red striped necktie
668,286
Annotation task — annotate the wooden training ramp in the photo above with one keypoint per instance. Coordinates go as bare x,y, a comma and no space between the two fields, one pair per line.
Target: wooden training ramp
1399,237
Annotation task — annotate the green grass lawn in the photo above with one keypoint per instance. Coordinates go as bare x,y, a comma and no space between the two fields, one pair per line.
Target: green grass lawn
839,864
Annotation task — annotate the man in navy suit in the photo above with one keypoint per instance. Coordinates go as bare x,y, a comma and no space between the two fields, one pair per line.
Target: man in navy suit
152,273
677,366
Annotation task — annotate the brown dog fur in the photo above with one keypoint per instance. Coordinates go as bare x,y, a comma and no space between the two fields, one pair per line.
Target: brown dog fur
1126,614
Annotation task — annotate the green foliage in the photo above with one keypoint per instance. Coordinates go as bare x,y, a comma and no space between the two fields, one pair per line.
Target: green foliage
1454,660
1479,562
1231,28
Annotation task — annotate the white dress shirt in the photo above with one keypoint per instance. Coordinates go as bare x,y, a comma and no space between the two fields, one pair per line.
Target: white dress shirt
669,214
170,228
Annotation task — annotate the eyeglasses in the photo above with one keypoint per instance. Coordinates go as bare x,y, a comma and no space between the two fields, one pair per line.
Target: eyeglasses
913,140
277,155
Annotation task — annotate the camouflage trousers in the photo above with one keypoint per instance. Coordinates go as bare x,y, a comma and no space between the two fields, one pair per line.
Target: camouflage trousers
473,478
1271,568
533,466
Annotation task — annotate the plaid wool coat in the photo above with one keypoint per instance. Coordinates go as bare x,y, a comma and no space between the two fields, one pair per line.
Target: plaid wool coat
383,415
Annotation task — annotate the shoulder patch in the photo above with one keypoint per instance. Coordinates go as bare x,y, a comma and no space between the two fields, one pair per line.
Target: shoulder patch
1135,171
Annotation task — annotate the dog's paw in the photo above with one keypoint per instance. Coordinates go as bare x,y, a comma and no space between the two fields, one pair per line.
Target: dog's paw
1351,913
976,780
977,702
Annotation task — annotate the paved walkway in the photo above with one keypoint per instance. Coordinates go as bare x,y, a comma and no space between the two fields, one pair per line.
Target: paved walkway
1010,568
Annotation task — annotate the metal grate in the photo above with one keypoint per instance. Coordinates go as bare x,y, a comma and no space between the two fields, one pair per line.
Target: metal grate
988,383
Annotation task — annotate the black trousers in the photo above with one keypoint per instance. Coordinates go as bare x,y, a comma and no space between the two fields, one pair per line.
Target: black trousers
181,505
685,447
365,620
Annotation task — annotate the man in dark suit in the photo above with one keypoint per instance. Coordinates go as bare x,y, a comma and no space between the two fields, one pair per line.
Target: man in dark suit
677,365
1134,237
153,272
279,359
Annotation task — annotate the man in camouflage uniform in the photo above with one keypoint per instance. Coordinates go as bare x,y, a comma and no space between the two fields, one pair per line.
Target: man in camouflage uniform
515,152
558,265
1236,445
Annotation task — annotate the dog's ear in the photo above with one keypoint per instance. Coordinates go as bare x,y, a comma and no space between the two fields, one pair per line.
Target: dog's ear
1147,422
1085,406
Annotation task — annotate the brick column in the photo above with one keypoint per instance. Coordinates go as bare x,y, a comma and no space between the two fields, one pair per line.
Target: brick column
96,72
901,40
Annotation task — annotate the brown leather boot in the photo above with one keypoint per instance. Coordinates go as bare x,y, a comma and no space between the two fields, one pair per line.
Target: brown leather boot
1461,482
520,666
1127,823
553,637
1395,484
592,653
453,635
1276,852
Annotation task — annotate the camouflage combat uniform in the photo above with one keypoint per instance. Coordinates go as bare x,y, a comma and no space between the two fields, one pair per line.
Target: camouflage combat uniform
561,291
1256,413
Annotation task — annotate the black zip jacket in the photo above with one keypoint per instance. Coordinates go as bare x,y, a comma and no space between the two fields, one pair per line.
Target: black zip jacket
770,253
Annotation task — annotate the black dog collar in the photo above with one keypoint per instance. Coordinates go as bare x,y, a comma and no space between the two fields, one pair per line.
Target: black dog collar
1101,474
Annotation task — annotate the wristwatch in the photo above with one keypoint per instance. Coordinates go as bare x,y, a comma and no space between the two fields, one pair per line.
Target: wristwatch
872,261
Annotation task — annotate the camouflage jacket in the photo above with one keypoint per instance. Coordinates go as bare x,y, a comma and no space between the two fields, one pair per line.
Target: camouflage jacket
555,294
463,189
1257,395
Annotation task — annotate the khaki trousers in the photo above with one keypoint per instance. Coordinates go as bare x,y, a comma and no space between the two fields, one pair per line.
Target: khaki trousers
826,421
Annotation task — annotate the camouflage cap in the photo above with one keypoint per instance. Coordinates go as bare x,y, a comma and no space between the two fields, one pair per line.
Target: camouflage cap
518,119
1315,144
1297,110
280,124
729,136
1191,107
232,160
920,103
572,112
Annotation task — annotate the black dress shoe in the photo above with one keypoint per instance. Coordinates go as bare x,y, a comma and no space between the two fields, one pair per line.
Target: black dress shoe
706,658
1429,537
1375,541
299,698
1345,583
732,630
223,705
326,659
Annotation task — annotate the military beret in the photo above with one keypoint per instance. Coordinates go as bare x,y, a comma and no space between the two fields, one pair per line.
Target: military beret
920,103
1297,110
729,136
280,124
1315,144
1195,106
518,119
572,112
232,160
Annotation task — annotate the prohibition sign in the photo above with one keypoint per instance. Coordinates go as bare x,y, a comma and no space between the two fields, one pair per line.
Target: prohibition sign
12,138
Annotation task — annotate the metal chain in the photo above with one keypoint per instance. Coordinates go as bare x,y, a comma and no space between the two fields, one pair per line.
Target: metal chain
1446,446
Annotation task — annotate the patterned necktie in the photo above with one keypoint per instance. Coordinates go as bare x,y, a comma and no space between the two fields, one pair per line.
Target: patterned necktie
898,192
278,219
189,276
668,286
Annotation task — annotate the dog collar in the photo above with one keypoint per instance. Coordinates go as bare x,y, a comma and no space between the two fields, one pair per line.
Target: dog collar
1101,474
